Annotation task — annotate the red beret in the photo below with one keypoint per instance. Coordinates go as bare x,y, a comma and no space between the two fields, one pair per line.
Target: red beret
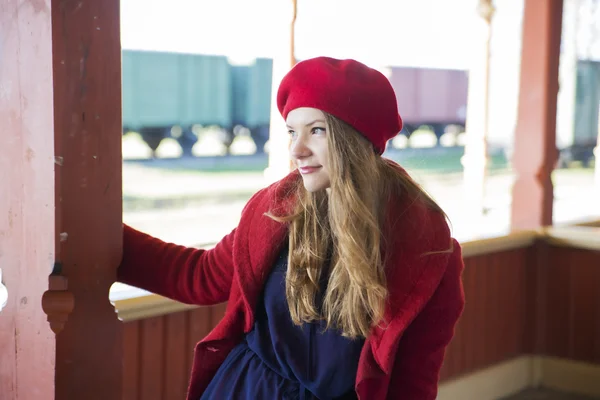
347,89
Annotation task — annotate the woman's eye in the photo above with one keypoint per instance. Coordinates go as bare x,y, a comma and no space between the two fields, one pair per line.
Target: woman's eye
292,133
318,130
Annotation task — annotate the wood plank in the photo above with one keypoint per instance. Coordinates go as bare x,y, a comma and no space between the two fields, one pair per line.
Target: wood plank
584,266
152,356
492,328
131,360
87,129
558,294
176,374
27,345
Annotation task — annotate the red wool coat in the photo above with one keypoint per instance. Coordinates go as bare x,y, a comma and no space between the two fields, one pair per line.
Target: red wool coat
401,358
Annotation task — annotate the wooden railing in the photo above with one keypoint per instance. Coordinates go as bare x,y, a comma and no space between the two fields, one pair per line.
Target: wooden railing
568,291
527,293
494,326
158,352
542,297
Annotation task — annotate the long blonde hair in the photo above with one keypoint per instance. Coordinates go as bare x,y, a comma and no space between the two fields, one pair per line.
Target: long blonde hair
346,229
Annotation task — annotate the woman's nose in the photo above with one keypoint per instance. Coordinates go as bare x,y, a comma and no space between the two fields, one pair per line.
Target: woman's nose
299,148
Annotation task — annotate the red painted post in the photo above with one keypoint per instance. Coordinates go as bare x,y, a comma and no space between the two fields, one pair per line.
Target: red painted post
535,151
87,115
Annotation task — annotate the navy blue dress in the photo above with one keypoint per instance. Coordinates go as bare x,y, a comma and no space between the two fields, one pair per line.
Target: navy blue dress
279,360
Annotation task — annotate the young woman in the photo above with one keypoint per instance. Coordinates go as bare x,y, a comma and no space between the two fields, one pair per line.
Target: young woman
342,279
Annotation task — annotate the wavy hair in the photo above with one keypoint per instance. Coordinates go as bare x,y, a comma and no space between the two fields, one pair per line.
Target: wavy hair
344,229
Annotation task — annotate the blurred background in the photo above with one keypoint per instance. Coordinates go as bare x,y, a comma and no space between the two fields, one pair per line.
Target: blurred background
197,82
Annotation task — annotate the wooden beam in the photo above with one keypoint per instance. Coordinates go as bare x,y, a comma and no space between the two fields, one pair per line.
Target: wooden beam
475,158
283,60
597,161
27,344
87,115
293,33
535,151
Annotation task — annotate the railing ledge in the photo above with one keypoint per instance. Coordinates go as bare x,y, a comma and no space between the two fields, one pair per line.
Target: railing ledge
134,304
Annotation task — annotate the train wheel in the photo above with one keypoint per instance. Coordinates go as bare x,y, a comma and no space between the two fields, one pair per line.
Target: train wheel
153,137
260,136
187,140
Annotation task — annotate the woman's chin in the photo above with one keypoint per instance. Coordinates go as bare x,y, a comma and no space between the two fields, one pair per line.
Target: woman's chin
313,184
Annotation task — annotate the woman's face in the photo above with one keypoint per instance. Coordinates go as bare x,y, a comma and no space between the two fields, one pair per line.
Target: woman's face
309,148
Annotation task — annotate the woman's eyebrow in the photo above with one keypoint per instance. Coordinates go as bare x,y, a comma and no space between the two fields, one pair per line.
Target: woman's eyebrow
310,123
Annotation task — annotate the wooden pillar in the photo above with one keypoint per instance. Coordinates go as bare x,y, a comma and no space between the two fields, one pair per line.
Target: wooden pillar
535,137
27,345
597,160
292,38
87,120
474,160
284,59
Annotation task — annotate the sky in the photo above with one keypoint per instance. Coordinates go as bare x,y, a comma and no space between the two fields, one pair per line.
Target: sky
384,32
421,33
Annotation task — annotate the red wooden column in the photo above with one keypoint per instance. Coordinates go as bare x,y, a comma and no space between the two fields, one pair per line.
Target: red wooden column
87,116
535,137
26,199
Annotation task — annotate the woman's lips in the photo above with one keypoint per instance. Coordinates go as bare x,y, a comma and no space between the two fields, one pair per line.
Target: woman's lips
308,170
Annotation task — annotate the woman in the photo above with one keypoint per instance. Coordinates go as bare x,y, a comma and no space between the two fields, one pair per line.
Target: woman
342,279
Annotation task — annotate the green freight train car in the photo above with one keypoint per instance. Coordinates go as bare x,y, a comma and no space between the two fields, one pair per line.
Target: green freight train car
251,99
586,119
163,90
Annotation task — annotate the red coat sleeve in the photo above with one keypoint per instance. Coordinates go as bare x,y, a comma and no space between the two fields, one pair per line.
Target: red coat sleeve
187,275
421,349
